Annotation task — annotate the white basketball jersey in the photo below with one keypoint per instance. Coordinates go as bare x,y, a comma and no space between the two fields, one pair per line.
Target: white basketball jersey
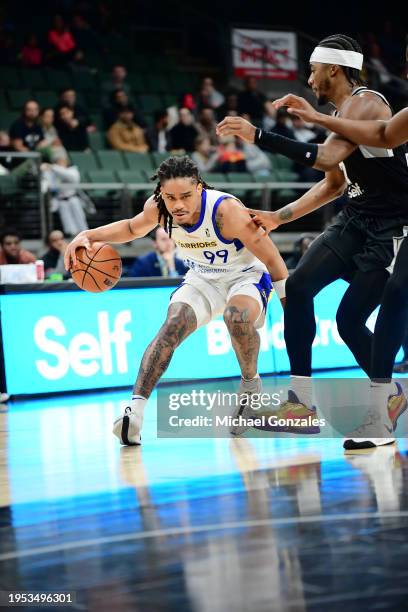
203,248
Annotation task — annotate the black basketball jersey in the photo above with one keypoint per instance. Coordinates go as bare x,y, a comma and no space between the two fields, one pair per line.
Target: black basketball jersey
377,179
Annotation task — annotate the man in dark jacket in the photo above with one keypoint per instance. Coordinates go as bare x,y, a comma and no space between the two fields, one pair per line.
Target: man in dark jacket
160,262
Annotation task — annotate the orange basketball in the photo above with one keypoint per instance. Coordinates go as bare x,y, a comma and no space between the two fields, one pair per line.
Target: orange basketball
97,270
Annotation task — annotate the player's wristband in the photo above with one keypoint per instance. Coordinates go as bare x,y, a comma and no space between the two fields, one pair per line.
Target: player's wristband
279,287
301,152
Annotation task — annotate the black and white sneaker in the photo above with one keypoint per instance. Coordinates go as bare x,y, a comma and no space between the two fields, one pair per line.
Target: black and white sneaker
244,413
127,428
367,435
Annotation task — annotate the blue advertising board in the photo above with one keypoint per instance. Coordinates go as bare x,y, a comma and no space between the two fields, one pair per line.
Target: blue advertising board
64,341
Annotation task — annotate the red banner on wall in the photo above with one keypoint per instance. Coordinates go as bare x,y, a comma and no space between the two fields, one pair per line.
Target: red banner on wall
264,53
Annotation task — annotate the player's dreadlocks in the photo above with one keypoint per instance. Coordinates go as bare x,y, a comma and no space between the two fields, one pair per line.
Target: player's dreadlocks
345,43
173,167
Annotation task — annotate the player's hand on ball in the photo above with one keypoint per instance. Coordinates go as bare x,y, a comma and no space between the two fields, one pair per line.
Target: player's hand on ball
70,259
266,219
297,106
237,126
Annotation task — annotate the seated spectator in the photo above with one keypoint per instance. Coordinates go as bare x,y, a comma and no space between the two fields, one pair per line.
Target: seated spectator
160,262
257,161
184,133
69,205
229,108
231,157
205,155
283,123
115,83
61,42
54,258
300,247
252,101
67,97
126,135
11,251
206,125
119,99
53,142
31,54
26,133
158,135
209,97
85,37
302,131
73,135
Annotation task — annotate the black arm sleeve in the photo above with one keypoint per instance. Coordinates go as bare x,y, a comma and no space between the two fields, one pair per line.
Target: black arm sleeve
301,152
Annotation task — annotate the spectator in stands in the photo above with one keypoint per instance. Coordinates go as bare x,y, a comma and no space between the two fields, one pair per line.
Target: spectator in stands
126,135
66,201
160,262
231,156
61,41
85,37
283,124
31,53
68,97
209,97
115,83
73,135
26,133
205,155
230,106
252,101
54,258
184,133
257,161
53,141
158,135
299,249
303,131
206,125
119,99
11,251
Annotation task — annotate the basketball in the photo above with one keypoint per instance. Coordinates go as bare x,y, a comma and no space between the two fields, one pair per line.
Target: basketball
97,270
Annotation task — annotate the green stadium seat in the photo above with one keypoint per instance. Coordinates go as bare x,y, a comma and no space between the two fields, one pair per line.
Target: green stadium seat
97,141
150,102
137,82
58,79
280,162
139,161
10,78
157,83
7,118
18,97
93,100
240,177
215,178
170,100
97,120
83,81
33,79
158,158
135,176
46,98
86,162
101,176
8,185
111,160
181,83
287,175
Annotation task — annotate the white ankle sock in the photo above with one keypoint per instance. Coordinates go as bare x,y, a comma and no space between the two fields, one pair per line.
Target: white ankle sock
302,386
137,405
379,393
250,379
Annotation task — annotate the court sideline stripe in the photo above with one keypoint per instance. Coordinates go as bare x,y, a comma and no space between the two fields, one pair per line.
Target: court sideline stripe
175,531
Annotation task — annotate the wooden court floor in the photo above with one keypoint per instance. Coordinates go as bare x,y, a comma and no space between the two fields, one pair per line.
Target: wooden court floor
253,524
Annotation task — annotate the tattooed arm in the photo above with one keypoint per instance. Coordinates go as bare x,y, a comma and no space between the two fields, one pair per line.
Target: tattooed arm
117,232
330,188
233,221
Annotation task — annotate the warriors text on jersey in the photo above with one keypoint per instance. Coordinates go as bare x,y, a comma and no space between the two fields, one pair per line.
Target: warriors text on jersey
204,249
377,178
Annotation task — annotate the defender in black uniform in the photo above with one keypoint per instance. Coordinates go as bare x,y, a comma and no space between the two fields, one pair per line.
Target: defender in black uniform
358,246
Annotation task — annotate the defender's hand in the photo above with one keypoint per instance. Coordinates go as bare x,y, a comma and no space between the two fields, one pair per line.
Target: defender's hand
266,219
236,126
298,106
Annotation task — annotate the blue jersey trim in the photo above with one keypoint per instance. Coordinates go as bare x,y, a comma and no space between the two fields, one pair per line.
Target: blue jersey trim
193,228
235,241
264,287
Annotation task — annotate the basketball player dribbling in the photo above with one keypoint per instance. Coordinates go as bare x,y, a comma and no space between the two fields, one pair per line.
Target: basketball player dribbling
357,246
232,262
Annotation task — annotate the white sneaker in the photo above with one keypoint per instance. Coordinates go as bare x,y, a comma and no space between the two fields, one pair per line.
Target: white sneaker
127,428
244,411
364,436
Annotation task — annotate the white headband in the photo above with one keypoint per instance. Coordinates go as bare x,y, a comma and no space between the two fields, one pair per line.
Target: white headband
324,55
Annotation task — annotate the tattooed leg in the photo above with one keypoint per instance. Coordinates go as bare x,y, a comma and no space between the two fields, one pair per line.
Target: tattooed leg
180,323
239,316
